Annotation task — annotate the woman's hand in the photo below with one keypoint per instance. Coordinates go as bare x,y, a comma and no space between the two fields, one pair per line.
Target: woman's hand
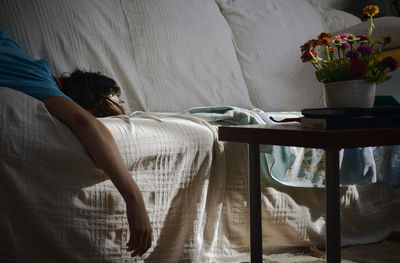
141,233
101,146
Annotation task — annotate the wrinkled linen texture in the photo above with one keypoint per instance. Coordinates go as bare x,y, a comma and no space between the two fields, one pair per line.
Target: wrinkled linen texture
55,205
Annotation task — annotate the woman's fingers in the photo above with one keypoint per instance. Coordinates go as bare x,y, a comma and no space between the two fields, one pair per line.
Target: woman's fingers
141,232
139,242
145,244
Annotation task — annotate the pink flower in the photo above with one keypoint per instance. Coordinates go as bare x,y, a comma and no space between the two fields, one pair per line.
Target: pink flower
345,45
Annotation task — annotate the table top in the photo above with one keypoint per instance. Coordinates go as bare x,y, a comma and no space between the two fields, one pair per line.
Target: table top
292,134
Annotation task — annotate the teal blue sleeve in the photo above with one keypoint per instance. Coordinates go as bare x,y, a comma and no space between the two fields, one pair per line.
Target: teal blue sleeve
21,72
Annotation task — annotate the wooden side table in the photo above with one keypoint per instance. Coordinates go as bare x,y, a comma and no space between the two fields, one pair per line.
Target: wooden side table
292,134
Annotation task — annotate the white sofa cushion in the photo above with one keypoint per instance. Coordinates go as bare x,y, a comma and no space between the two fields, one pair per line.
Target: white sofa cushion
91,35
184,55
335,20
268,35
166,55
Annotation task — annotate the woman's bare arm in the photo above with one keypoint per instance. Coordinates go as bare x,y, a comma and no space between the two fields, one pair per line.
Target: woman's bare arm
101,146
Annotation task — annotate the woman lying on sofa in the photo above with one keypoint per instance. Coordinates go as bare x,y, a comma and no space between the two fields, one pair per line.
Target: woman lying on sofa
33,77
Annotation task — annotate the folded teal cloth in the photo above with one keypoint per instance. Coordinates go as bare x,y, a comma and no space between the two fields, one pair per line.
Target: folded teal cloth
226,115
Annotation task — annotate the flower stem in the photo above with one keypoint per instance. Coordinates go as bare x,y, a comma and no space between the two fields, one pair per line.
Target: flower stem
327,53
370,29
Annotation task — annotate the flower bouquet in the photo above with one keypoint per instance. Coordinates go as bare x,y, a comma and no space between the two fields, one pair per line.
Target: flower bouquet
349,65
348,57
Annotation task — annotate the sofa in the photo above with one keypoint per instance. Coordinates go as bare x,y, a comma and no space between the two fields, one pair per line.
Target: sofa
184,67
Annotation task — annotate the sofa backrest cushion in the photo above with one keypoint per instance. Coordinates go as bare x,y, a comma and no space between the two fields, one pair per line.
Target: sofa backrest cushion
184,55
91,35
166,55
334,19
268,35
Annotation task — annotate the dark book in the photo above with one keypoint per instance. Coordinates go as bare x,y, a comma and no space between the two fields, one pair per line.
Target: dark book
362,122
387,116
377,111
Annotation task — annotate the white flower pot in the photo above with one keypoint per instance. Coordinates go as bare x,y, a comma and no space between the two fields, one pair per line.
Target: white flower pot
350,94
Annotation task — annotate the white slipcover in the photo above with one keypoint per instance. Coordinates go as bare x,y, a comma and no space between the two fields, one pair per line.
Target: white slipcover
166,55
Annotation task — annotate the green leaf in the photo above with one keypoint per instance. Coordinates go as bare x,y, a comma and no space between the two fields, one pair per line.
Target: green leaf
376,41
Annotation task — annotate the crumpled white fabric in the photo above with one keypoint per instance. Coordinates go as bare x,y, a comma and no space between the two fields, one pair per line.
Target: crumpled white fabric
57,206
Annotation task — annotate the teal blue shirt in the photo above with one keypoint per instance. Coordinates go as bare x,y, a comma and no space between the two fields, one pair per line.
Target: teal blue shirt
21,72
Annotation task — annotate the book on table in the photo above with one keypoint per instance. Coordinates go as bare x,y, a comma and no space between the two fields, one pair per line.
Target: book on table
351,118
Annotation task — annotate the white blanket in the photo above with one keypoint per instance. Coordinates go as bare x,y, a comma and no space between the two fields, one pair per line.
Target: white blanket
56,206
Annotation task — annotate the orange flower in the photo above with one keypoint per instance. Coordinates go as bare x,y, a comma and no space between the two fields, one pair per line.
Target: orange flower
325,41
331,49
324,35
371,10
387,40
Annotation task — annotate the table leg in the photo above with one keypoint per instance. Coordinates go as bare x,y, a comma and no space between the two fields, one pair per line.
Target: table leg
255,204
332,181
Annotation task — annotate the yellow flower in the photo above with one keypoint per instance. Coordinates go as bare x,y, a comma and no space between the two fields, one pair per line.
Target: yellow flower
371,10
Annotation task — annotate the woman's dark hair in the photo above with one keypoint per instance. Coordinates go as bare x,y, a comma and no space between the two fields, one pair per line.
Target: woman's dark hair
93,91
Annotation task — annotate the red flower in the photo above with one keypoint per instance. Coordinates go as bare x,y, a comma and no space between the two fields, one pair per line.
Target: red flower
362,37
358,68
308,45
306,56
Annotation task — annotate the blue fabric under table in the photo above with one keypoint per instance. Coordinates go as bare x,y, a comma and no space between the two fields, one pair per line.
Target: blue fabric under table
305,167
